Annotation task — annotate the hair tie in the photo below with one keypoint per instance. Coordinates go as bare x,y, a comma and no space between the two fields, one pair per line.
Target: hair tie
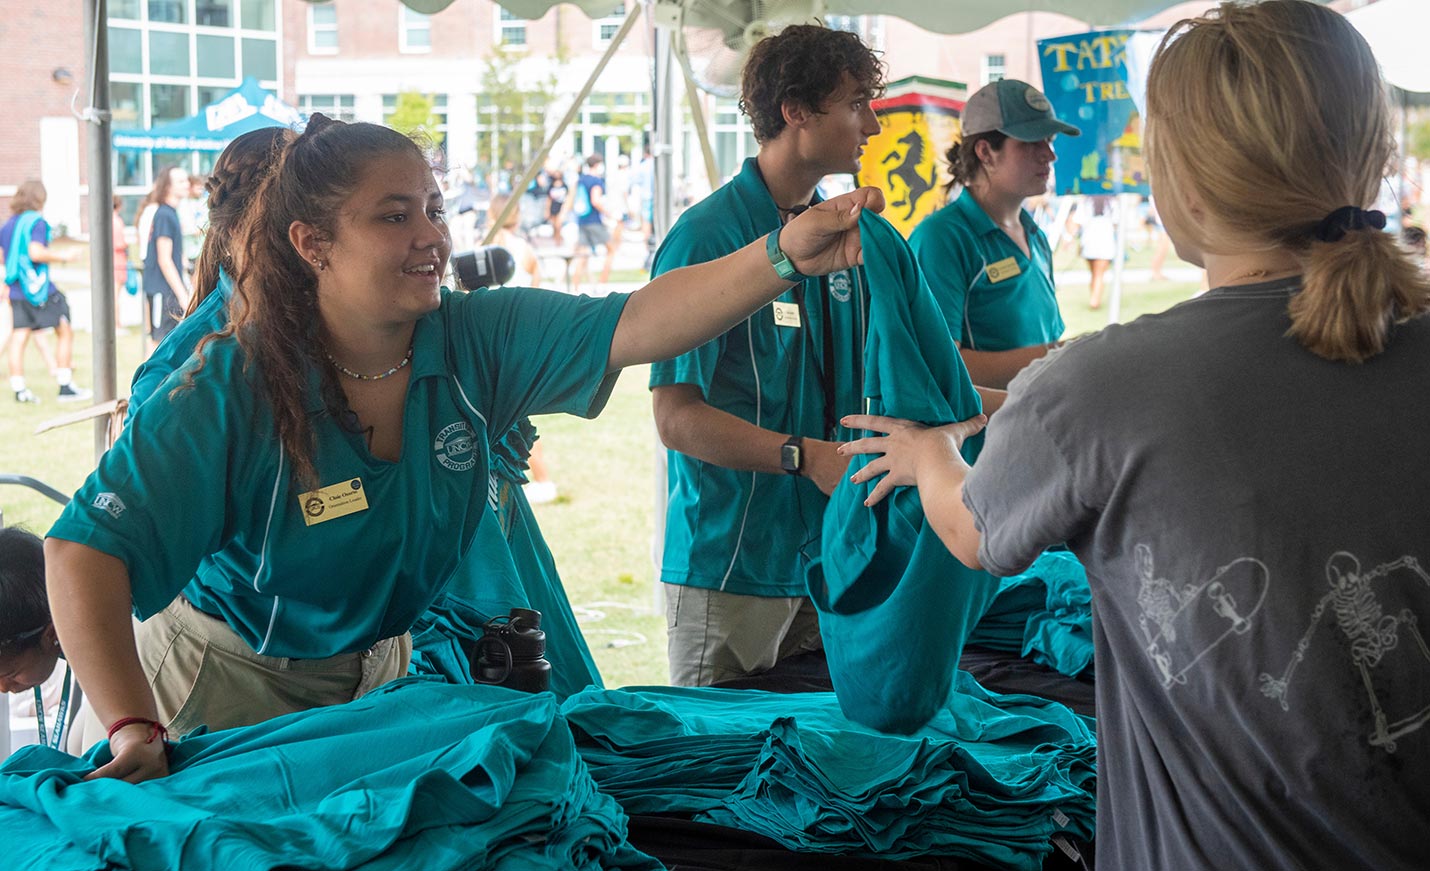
1334,226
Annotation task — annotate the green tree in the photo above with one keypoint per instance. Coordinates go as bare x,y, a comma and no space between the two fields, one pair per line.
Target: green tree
1417,137
514,114
414,113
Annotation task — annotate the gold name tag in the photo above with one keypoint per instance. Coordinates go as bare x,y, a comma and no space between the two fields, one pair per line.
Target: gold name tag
786,314
334,500
1003,270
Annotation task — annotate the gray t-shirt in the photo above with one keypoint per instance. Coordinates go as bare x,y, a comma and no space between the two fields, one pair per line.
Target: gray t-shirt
1255,523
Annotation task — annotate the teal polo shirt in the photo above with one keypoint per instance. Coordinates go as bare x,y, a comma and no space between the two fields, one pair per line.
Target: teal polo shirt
210,317
993,296
202,500
747,532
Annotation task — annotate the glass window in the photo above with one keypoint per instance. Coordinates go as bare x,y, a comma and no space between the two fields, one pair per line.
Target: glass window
260,58
414,31
339,106
168,103
168,53
323,28
258,15
129,170
995,68
124,105
210,94
510,29
215,54
127,9
169,11
606,27
213,13
126,50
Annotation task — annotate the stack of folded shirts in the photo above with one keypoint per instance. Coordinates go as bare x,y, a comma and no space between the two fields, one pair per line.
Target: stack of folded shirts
1044,613
991,778
414,775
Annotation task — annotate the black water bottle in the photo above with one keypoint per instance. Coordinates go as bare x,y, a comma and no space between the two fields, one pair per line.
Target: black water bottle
512,652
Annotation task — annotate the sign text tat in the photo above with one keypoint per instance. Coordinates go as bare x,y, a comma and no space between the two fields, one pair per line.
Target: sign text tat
1101,52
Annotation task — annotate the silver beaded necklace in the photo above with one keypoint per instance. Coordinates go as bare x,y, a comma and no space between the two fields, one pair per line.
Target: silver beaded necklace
361,377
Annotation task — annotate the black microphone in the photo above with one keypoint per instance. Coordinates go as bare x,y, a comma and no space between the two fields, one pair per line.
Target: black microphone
488,266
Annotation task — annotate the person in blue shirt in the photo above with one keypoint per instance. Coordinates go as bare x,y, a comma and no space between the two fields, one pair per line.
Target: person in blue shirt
984,257
593,235
282,520
751,418
35,303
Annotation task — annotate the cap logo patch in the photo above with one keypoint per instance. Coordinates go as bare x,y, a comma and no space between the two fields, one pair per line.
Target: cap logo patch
1037,101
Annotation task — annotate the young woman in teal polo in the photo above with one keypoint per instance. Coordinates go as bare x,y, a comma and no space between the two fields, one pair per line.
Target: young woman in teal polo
983,255
310,489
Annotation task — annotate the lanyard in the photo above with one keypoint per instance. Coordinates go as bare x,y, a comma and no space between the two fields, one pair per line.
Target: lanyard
59,715
826,363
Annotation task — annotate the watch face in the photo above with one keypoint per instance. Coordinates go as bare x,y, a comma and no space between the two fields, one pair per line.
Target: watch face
789,458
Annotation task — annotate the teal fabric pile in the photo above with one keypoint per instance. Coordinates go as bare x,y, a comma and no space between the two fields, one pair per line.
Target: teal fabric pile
895,607
417,774
1044,613
990,778
509,566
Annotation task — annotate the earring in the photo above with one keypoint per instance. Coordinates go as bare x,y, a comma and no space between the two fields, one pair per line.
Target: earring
319,264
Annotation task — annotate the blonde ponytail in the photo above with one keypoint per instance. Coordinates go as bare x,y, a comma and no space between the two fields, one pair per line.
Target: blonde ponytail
1352,292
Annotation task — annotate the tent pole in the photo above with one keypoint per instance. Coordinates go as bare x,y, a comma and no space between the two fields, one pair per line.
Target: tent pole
101,223
539,160
697,116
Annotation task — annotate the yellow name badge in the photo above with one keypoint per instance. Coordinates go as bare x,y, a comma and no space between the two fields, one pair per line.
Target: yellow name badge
1003,270
786,314
334,500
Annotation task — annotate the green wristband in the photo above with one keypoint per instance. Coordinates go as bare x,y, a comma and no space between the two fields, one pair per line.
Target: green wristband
780,260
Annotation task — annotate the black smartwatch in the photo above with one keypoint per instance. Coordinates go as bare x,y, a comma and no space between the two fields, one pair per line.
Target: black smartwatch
792,455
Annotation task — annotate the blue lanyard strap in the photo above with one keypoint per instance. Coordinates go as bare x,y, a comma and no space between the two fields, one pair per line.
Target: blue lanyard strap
59,715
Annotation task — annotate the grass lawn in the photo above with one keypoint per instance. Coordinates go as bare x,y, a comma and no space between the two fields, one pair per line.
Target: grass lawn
599,529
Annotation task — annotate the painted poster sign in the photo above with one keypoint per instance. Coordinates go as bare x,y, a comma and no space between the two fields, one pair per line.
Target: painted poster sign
1085,78
905,160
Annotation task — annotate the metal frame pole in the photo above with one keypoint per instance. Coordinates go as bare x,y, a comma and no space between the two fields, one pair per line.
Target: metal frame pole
101,225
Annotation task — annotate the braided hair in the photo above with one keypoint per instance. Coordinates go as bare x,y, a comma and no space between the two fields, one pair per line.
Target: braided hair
231,185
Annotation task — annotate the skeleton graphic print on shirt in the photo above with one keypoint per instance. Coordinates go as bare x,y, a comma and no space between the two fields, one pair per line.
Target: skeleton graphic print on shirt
1386,650
1182,622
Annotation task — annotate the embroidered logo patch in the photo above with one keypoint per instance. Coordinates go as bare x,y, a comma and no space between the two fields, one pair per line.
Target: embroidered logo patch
840,287
110,504
455,446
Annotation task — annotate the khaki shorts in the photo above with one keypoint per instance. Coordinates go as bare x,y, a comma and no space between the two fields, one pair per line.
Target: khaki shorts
714,636
203,674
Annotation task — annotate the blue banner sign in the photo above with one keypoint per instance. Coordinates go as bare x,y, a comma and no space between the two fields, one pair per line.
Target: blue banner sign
1085,78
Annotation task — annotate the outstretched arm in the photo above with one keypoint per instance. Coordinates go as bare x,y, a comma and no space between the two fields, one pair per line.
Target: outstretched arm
927,457
90,599
687,307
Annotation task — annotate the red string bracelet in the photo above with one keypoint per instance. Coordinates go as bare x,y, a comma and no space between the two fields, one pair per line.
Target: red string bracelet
156,729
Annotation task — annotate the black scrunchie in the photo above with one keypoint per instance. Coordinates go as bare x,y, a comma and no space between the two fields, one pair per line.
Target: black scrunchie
1337,224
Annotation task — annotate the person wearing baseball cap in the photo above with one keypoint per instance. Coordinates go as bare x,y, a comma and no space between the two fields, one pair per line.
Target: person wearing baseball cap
989,265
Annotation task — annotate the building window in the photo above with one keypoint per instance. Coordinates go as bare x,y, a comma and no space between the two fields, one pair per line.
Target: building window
128,9
126,50
258,15
213,13
342,107
510,30
607,27
168,103
995,68
216,57
414,31
168,11
260,58
323,28
168,53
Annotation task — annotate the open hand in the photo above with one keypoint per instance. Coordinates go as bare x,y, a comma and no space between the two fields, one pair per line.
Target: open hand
906,448
825,237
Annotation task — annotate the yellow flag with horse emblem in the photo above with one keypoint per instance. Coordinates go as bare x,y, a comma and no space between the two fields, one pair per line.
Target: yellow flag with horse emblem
918,118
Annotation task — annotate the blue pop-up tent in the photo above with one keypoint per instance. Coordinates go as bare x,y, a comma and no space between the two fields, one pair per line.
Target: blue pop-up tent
247,107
